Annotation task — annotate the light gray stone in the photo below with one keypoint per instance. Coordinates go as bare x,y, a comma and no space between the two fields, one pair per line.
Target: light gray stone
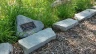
59,2
65,24
22,20
94,7
85,14
6,48
37,40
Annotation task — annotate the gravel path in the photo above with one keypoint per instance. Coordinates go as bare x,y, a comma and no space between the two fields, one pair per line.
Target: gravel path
78,40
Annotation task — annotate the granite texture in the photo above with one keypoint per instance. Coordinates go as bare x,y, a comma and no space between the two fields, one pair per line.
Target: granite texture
65,24
22,20
37,40
88,13
6,48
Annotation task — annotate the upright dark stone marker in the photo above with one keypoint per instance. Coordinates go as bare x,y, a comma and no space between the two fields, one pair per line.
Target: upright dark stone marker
26,26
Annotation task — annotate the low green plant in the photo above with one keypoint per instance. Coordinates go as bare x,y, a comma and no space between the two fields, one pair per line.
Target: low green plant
66,10
82,5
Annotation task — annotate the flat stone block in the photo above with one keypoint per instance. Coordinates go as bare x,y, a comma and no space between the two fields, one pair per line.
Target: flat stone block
6,48
94,7
27,26
85,14
37,40
65,24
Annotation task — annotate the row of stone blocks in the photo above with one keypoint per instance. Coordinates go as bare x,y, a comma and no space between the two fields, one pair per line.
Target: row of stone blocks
33,35
69,23
40,38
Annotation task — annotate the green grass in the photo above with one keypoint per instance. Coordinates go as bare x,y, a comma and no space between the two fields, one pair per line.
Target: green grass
37,10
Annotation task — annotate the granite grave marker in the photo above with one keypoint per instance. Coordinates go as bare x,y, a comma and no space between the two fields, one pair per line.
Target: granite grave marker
27,26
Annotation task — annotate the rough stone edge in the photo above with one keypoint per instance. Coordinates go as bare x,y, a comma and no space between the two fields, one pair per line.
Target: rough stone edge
25,49
86,17
9,45
20,34
64,29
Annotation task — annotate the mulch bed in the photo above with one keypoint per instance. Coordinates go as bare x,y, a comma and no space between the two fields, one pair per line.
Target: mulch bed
79,40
